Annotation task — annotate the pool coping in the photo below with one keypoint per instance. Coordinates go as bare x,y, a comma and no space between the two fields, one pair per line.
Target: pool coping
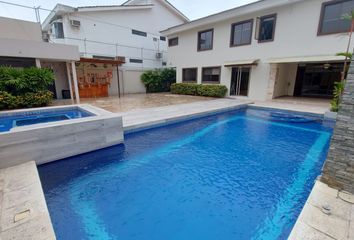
317,222
24,212
140,120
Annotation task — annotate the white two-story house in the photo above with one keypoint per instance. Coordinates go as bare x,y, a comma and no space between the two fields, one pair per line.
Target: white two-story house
126,35
266,49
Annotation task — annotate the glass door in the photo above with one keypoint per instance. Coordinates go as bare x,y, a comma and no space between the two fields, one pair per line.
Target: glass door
240,81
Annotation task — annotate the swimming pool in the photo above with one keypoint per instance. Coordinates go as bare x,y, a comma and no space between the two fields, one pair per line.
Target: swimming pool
239,175
36,117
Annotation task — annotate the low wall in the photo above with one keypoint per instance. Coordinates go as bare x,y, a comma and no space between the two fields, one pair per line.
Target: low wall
48,142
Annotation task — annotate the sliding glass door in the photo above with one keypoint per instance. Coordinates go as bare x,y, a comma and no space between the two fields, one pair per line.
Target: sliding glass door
240,81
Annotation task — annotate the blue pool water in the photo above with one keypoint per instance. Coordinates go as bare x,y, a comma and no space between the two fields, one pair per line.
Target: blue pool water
238,175
30,118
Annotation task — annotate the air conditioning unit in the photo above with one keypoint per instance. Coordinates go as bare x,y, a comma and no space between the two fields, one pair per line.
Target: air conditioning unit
45,36
75,23
159,55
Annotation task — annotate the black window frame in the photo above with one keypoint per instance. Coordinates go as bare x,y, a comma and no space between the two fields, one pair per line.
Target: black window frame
232,36
211,82
199,40
170,42
190,81
59,35
162,38
139,33
261,19
136,60
320,24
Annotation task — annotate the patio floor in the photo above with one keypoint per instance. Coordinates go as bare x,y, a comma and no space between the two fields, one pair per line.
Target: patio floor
311,105
131,102
136,101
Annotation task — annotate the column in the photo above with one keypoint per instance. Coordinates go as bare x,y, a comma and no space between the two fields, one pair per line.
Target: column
76,86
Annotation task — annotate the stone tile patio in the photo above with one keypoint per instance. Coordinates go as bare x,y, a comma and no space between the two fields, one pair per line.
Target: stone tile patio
315,223
309,105
137,101
24,213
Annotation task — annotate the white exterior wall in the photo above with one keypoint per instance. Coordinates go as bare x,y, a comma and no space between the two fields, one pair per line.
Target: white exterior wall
112,40
19,29
295,35
104,26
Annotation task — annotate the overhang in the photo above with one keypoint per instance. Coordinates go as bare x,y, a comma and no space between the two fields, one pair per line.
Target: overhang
307,59
248,62
38,49
104,61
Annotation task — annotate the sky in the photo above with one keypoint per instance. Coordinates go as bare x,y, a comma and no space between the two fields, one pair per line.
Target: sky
193,9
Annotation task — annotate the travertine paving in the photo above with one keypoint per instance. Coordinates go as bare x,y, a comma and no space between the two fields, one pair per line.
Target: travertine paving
327,214
130,102
308,105
24,213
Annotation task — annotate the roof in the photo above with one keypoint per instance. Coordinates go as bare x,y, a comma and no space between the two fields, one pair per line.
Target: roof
240,11
307,59
61,9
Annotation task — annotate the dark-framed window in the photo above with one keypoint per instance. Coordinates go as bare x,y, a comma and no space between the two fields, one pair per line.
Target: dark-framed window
139,33
211,74
164,63
241,33
58,29
135,60
267,28
189,74
173,42
205,40
331,19
162,38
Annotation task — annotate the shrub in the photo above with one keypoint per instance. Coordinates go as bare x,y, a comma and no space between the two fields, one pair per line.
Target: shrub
211,90
26,87
337,93
184,88
20,81
207,90
158,80
38,99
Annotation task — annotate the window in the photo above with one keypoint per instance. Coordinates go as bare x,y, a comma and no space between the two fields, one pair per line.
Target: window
211,74
162,38
173,42
331,20
133,60
267,28
140,33
241,33
189,74
205,40
164,63
58,29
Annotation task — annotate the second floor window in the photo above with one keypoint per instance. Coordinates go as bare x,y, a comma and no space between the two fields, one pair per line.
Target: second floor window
267,28
139,33
173,42
205,40
58,29
241,33
332,17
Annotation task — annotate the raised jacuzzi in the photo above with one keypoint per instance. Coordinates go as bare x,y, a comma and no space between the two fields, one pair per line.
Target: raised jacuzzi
51,133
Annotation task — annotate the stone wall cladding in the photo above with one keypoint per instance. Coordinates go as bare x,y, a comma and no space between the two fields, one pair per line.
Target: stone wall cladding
338,170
